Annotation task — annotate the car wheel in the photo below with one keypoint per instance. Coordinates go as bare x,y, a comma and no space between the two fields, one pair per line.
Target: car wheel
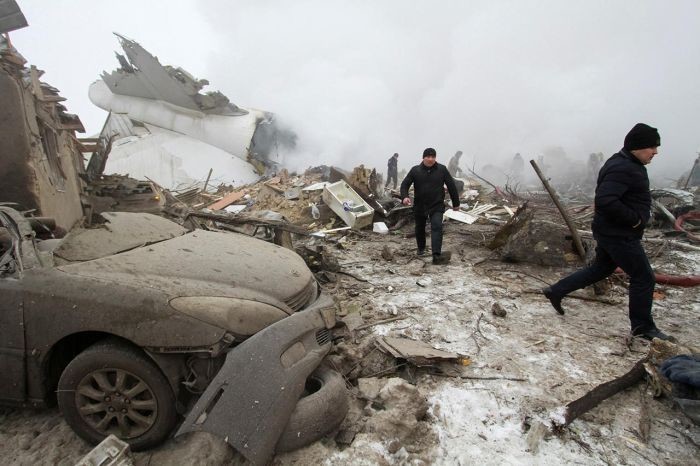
113,388
320,410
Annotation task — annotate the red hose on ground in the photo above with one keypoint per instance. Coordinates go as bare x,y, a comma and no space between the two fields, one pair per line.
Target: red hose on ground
677,280
673,280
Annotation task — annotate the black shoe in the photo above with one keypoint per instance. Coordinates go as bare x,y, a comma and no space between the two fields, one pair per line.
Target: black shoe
442,259
652,333
554,299
421,252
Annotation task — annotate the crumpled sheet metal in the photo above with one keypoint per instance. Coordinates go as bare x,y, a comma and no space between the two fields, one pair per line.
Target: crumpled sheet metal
250,401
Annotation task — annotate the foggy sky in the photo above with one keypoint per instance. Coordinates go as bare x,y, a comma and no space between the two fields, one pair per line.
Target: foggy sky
359,81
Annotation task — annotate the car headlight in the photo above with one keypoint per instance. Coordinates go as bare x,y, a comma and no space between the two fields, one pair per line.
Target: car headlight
240,316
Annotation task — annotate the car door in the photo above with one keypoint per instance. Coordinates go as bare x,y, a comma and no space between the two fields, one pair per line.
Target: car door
12,351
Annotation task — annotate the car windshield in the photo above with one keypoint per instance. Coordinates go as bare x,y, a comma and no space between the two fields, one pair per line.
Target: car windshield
121,231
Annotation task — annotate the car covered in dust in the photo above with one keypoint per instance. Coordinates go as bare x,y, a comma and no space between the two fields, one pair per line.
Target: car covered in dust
126,325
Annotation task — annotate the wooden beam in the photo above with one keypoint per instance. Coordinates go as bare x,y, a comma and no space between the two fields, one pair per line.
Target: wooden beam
562,211
52,98
88,147
36,86
600,393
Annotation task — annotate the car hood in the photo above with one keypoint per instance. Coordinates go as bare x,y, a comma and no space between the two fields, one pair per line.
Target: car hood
205,263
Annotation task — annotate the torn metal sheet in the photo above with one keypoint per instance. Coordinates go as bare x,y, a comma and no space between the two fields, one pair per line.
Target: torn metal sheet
11,17
250,401
142,75
171,158
417,352
169,98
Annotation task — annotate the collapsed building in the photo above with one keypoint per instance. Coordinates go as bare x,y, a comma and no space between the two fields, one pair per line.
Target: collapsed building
40,155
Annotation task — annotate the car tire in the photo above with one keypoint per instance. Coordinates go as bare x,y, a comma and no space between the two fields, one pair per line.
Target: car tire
320,410
114,388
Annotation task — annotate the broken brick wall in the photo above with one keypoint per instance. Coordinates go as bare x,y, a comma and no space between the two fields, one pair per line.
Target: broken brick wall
39,158
16,180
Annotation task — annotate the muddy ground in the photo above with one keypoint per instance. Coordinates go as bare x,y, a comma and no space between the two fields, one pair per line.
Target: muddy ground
523,366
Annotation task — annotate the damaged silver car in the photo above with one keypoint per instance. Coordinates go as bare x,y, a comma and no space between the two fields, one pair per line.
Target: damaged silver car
128,324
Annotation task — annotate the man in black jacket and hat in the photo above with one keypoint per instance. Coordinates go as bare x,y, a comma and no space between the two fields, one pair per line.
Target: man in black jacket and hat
622,209
429,179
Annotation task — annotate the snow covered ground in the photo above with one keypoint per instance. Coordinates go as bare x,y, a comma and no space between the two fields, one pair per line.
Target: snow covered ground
523,367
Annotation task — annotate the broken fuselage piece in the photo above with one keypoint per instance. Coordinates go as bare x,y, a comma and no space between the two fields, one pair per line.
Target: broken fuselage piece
167,99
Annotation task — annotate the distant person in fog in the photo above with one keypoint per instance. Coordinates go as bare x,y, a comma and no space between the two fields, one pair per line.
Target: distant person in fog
392,170
453,165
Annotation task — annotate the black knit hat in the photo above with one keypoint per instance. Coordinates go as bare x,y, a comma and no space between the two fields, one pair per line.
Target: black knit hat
641,137
429,152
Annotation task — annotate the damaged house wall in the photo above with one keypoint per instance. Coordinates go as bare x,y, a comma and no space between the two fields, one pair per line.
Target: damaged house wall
39,156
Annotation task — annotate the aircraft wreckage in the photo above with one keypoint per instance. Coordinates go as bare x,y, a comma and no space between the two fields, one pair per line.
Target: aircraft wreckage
162,126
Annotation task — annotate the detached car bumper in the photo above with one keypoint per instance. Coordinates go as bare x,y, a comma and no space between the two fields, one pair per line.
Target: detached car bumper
251,399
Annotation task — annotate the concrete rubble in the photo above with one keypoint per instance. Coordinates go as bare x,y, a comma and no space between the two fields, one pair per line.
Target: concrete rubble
444,365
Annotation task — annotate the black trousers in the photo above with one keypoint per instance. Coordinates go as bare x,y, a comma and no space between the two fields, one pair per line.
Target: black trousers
435,231
629,255
391,176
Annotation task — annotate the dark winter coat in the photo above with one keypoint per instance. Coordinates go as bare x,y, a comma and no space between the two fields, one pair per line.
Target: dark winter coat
683,368
392,165
622,197
428,186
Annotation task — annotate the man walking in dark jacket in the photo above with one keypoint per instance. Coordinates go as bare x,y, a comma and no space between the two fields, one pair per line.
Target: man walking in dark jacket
428,180
392,170
622,209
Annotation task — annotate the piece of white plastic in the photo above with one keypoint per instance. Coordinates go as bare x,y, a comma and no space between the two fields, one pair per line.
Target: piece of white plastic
380,227
314,211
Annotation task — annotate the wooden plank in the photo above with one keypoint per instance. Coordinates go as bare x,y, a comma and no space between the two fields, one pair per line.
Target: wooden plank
52,98
227,200
36,86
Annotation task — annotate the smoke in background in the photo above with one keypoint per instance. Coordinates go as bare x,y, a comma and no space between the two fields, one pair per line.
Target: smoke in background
359,81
